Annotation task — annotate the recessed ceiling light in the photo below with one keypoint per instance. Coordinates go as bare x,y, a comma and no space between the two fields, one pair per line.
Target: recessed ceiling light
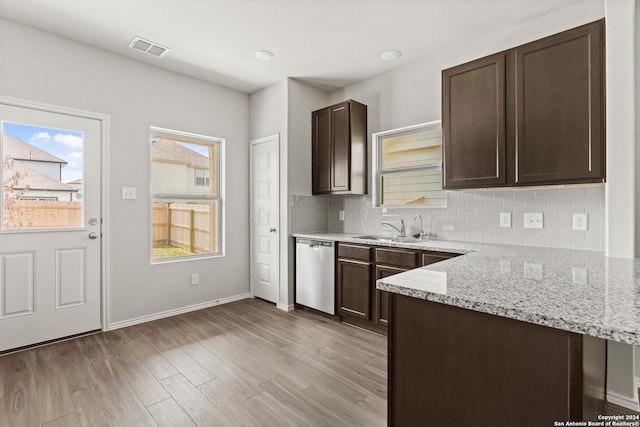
391,55
264,55
146,46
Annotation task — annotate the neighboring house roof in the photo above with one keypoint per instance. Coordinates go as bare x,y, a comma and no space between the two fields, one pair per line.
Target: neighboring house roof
75,181
20,150
172,152
34,179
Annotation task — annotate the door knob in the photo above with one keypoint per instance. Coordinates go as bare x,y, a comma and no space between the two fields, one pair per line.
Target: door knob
93,235
272,230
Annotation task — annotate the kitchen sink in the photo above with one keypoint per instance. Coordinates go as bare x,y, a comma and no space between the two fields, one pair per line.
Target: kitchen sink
399,239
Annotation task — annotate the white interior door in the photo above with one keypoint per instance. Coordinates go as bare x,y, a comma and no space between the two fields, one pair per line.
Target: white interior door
265,217
50,230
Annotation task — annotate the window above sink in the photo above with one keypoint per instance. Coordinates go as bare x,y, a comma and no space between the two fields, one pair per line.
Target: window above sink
407,167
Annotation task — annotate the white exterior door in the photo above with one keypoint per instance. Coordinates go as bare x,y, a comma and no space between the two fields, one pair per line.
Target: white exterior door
50,250
265,217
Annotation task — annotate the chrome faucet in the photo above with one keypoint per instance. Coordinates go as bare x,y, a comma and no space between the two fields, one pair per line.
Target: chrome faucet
402,230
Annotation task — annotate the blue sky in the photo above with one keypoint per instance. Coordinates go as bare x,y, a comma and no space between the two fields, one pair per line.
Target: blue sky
65,144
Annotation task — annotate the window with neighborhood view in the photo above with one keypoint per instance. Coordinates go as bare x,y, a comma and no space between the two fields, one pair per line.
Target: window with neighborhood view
42,177
186,196
408,167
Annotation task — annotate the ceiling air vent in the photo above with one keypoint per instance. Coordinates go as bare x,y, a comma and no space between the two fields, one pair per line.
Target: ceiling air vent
147,46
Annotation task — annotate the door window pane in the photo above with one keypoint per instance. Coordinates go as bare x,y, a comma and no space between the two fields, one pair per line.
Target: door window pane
42,177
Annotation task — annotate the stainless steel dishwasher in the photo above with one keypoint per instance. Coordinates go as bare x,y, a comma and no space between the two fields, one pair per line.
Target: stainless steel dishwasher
315,274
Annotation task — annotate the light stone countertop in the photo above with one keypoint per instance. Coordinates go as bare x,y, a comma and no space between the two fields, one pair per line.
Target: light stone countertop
574,290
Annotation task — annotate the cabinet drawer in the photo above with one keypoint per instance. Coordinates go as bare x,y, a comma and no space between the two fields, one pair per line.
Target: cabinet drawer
396,257
427,258
361,253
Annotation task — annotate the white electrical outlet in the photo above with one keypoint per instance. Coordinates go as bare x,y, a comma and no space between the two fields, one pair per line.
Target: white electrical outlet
580,221
505,219
533,220
195,279
341,215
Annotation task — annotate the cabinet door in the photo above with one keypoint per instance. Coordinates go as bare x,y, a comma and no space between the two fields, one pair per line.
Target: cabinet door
321,151
381,301
559,102
341,160
354,289
473,123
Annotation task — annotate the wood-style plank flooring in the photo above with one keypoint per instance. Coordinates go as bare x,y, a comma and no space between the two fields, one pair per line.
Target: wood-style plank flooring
239,364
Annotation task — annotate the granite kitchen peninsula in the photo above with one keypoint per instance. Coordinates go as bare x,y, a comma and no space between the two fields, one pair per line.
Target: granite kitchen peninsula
504,335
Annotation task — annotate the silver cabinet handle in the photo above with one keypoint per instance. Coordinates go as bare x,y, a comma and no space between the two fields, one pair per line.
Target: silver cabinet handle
93,235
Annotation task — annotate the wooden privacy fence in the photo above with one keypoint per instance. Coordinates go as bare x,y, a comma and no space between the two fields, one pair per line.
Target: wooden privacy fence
187,226
26,214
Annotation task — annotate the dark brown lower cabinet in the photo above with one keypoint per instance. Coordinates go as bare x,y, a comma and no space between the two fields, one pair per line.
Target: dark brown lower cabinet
359,266
450,366
354,280
381,312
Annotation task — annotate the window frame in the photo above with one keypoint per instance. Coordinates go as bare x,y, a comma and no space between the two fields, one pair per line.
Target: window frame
378,172
219,173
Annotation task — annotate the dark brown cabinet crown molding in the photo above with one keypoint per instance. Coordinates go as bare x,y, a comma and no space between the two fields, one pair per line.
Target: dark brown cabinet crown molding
339,149
532,115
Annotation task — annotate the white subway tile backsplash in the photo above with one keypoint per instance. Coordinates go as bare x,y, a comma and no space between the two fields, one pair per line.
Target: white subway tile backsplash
513,203
524,194
535,205
476,203
457,203
547,193
492,238
559,203
572,192
474,216
586,203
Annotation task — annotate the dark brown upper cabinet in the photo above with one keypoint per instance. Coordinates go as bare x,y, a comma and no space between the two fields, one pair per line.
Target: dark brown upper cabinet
532,115
339,149
473,123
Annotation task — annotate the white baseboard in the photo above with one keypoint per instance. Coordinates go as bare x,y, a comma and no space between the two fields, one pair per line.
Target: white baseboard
624,401
175,311
285,307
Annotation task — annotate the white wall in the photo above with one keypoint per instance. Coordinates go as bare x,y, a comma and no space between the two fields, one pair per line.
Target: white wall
301,101
621,56
41,67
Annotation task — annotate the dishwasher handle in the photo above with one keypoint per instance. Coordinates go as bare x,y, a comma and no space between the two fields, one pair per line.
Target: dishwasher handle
314,243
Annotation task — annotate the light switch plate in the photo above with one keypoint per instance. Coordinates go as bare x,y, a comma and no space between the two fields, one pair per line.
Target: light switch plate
533,220
580,221
128,193
341,215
